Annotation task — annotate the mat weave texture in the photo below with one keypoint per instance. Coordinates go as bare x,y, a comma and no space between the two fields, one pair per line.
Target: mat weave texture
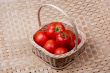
18,20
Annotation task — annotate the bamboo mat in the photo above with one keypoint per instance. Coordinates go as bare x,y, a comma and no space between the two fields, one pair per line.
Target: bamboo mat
18,20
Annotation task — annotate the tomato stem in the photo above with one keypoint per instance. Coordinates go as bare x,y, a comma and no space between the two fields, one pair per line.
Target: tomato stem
57,29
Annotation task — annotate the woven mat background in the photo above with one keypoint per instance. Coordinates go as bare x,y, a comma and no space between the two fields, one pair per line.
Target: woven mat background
18,20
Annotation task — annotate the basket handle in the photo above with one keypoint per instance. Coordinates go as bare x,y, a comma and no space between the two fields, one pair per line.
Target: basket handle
70,20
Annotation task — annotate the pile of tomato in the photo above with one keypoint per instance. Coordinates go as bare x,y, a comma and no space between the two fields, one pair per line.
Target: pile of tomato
56,39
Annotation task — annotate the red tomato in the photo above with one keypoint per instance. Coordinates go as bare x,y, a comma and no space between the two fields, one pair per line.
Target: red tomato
60,50
40,38
63,39
73,39
70,33
54,28
50,46
72,44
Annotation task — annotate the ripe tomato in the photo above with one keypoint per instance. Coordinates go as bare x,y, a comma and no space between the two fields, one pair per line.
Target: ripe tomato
40,38
50,46
54,28
72,44
63,39
72,35
70,32
60,50
73,39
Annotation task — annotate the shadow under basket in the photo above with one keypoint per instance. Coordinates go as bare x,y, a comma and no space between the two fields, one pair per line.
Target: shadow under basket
63,60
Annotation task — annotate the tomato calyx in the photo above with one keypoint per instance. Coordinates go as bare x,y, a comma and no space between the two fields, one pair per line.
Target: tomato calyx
64,35
57,29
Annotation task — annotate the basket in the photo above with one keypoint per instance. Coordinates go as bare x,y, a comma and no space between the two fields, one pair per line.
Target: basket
63,60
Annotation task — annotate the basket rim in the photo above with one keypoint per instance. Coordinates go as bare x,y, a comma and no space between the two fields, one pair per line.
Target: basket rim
83,39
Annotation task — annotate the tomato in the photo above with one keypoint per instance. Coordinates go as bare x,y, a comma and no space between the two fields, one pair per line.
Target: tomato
73,39
72,44
70,33
50,46
63,39
54,28
40,38
60,50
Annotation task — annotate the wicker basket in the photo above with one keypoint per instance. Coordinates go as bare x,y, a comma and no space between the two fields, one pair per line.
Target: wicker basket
59,61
